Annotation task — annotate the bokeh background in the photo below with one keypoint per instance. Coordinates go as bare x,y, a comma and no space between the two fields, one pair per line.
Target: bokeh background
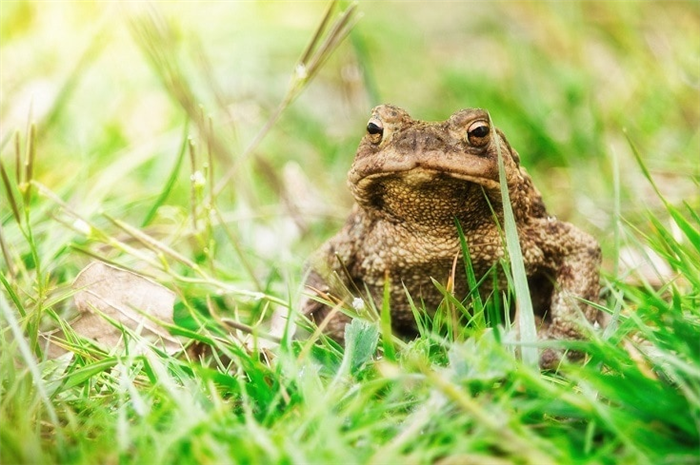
568,82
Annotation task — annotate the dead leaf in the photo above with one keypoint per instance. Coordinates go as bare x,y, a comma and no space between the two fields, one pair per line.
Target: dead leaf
104,290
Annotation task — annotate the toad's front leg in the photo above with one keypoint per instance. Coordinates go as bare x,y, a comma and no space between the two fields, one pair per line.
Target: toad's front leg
574,262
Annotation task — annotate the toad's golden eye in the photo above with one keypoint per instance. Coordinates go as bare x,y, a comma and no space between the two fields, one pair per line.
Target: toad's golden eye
478,132
375,127
375,130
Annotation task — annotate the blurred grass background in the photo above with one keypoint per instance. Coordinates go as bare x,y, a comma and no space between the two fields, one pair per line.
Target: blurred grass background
563,80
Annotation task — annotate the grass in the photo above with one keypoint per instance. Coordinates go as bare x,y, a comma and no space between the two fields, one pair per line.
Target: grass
160,145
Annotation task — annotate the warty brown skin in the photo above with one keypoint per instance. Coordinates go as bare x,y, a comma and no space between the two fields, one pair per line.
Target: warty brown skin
410,180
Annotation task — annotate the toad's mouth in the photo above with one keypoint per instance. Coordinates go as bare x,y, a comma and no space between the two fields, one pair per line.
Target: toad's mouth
419,178
421,195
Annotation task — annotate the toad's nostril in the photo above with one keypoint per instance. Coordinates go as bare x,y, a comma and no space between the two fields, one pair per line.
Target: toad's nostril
421,141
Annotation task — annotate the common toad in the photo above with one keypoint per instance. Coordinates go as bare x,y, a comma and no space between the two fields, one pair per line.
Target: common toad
411,179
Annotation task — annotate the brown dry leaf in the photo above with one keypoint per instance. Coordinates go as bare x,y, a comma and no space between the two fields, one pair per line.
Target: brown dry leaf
125,297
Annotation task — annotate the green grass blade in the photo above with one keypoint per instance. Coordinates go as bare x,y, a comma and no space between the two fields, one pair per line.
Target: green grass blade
172,179
526,316
385,321
83,374
13,295
469,270
690,231
30,364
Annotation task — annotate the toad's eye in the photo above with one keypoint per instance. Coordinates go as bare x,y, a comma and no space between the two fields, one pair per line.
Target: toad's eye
477,132
375,127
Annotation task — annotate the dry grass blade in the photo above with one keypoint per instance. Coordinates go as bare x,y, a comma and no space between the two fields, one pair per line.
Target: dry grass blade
304,71
83,226
25,186
10,196
158,42
237,325
23,180
18,157
96,233
6,255
338,33
153,244
318,33
249,330
163,249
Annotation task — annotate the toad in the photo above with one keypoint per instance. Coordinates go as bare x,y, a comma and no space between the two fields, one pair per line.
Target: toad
412,181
